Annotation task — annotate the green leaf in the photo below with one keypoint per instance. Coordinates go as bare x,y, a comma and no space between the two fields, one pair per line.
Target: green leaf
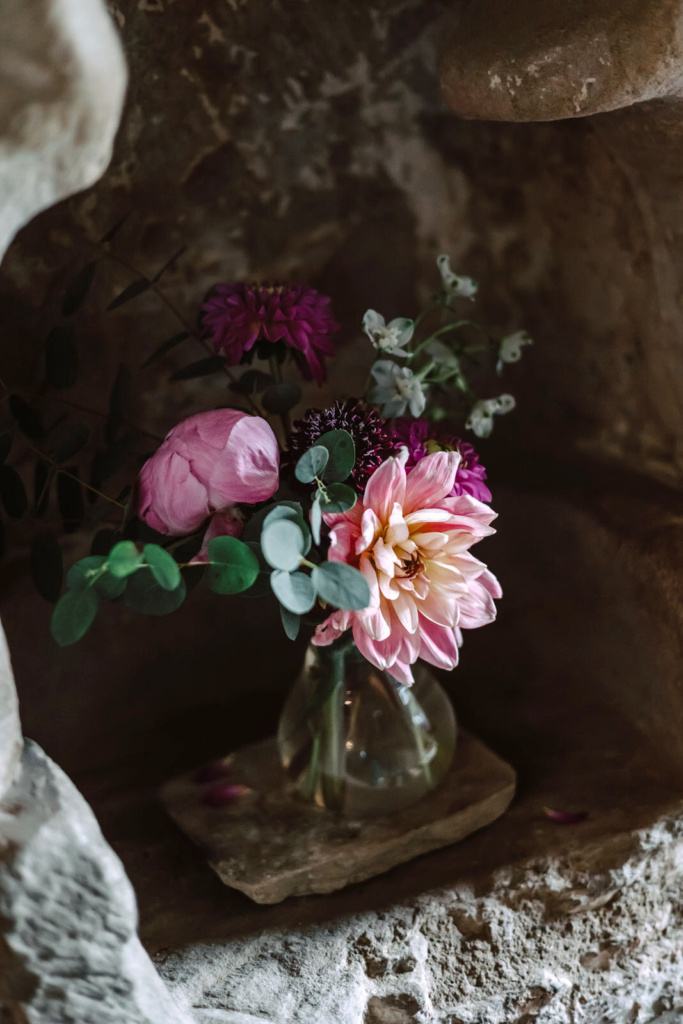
341,585
311,464
316,518
251,382
291,622
283,544
77,290
5,445
295,591
128,294
124,559
338,498
61,358
73,616
70,499
342,454
47,570
202,368
144,595
28,420
12,492
165,348
164,566
261,585
72,444
252,531
293,512
233,568
88,573
282,397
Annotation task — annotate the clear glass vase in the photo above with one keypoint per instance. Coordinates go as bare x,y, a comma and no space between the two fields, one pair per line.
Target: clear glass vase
358,742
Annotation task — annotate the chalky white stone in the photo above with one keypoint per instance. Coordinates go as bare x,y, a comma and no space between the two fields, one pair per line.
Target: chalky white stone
68,916
63,82
10,727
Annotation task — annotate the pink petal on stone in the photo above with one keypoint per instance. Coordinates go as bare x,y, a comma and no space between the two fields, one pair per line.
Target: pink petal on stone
565,817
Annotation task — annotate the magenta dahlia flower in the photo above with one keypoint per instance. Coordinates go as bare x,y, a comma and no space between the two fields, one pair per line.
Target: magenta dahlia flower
411,541
235,317
372,436
423,438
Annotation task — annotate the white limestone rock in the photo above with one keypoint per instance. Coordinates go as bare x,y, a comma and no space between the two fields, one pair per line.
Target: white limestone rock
62,83
69,951
10,727
592,936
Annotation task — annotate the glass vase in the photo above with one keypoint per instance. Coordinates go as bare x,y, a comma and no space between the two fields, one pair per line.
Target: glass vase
358,742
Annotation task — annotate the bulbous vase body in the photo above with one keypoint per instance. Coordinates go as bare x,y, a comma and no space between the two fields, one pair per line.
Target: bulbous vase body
358,742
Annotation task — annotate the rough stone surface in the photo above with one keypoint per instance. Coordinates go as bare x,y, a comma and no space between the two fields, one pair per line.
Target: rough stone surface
251,848
63,80
576,939
69,950
10,727
535,61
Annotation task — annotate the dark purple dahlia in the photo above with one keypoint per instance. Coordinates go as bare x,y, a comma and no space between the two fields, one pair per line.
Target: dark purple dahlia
371,435
422,438
235,317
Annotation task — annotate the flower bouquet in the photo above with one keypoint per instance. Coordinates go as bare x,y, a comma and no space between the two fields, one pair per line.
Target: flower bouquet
358,519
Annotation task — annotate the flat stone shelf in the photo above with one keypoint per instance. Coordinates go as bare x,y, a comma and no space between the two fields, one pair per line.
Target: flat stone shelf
271,844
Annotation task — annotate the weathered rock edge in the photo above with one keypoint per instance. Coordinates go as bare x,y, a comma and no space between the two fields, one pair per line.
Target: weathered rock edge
63,82
69,950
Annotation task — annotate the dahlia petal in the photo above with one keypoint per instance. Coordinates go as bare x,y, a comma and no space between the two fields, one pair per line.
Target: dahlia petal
439,646
401,672
405,610
441,610
431,480
370,529
385,486
466,505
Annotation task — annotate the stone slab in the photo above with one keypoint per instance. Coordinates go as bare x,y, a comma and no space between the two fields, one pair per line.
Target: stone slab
271,844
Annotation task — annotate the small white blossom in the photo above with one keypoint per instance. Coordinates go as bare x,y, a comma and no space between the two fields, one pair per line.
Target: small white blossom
456,286
388,337
510,350
480,419
397,389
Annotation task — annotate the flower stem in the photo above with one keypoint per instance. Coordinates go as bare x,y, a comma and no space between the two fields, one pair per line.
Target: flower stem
276,373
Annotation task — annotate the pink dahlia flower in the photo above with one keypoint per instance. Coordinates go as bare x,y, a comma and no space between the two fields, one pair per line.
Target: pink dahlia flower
207,464
411,542
236,316
423,438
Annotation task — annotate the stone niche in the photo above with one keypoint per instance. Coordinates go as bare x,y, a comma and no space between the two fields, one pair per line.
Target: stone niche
312,141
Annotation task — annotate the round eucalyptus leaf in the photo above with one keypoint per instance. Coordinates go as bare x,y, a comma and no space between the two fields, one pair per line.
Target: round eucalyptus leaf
143,594
341,585
234,566
88,573
291,623
342,454
312,464
73,616
283,544
124,559
294,590
163,565
338,498
316,518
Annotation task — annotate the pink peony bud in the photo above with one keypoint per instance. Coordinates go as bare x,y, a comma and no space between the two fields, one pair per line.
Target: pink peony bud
206,464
